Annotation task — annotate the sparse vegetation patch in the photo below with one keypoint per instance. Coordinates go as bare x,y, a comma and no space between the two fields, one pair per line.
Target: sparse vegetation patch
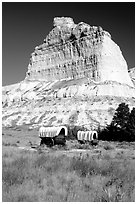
53,177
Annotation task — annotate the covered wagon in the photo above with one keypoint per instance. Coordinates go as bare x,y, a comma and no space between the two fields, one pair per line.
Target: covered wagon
87,137
53,135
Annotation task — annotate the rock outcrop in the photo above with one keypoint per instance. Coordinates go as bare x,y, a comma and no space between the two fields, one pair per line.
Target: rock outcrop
73,51
132,75
78,74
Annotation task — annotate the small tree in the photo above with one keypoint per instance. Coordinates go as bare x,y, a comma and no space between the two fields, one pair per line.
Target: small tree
131,125
122,127
117,129
121,117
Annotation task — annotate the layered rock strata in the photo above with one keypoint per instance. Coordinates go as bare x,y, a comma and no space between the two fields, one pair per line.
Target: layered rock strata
72,51
78,76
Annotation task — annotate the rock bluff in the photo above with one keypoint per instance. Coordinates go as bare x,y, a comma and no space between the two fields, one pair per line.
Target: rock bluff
76,77
73,51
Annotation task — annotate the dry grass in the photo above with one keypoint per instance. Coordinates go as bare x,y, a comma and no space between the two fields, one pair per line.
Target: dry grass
52,177
40,177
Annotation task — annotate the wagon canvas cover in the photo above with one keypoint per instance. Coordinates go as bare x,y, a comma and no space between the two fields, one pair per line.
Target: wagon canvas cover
52,131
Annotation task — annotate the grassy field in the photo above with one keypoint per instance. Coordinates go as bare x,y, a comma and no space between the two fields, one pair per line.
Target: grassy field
102,173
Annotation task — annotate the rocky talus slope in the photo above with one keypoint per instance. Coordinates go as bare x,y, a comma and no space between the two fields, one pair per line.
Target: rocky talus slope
78,76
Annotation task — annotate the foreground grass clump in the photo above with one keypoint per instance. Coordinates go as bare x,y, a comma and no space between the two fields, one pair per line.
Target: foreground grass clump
49,177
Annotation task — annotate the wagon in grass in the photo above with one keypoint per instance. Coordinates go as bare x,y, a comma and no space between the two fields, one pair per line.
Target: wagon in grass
90,137
53,135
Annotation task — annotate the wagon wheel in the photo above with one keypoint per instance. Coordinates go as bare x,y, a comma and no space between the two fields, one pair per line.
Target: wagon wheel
64,141
42,142
81,141
51,142
95,142
60,140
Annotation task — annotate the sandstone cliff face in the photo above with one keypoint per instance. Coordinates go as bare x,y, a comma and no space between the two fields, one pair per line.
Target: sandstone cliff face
73,51
78,76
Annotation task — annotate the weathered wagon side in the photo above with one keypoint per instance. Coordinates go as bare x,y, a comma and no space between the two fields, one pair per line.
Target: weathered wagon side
53,135
87,137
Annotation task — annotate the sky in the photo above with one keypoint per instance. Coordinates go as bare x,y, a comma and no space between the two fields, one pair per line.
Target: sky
25,25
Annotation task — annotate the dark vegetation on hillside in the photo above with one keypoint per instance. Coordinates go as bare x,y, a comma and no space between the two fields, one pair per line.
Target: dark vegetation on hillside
122,127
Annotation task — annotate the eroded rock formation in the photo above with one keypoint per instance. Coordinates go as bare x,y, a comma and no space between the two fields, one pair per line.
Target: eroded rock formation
77,76
72,51
132,75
